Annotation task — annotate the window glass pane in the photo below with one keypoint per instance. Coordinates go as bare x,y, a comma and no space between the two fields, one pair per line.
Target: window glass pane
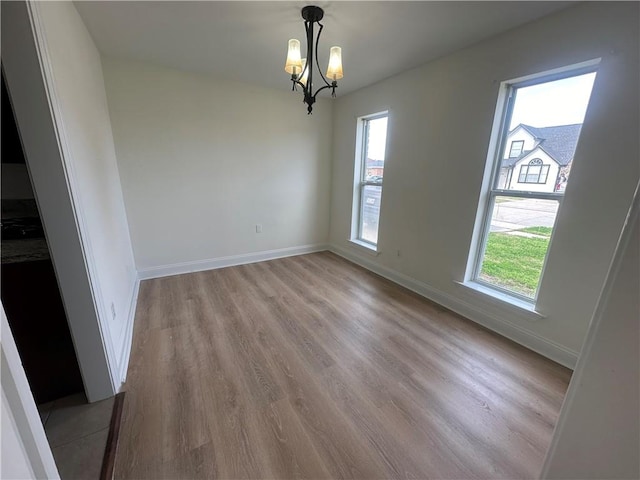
517,244
546,120
375,146
372,171
370,216
516,148
523,173
545,173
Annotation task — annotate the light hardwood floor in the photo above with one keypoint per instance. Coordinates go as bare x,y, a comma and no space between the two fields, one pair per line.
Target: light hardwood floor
312,367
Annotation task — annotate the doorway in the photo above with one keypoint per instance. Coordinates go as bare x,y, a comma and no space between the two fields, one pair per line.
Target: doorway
29,288
29,82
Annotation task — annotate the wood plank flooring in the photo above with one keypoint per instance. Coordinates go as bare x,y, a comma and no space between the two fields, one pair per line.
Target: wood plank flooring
312,367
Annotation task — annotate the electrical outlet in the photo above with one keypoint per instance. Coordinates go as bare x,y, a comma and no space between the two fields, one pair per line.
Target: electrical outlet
258,228
113,311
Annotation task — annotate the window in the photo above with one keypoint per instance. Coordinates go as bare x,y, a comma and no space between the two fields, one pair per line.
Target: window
516,148
534,172
522,199
369,174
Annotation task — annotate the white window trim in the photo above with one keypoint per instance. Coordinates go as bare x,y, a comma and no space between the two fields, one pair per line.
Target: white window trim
520,307
497,144
359,182
366,247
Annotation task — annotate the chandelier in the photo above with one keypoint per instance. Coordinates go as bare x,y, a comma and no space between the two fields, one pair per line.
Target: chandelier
301,69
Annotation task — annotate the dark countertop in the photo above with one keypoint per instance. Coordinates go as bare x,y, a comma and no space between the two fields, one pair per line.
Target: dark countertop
24,250
22,234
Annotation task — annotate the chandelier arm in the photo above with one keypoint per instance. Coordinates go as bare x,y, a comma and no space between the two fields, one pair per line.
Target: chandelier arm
298,82
317,58
308,27
334,85
306,66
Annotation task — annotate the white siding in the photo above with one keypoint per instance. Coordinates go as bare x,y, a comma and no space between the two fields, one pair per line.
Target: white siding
520,134
554,169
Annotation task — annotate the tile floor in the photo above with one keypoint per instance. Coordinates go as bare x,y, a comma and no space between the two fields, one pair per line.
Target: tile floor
77,432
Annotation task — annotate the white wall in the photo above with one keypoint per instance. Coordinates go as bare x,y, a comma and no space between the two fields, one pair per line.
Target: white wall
24,450
598,432
203,161
91,162
433,179
12,447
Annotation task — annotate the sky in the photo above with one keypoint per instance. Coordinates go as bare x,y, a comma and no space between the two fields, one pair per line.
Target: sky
377,138
563,102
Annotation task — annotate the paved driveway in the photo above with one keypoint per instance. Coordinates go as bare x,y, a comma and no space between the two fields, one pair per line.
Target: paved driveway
523,212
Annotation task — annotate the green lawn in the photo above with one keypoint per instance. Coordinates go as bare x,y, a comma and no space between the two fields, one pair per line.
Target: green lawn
545,231
515,262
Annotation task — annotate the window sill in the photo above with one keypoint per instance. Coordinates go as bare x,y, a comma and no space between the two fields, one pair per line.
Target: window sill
364,246
519,306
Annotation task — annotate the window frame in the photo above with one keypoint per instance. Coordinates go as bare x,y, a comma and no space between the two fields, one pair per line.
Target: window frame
543,172
361,181
504,111
521,142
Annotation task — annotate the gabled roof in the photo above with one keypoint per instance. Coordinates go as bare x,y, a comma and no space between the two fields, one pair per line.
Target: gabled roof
529,153
559,142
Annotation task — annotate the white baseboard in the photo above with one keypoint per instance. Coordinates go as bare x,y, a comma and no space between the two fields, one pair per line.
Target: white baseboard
526,338
125,353
230,261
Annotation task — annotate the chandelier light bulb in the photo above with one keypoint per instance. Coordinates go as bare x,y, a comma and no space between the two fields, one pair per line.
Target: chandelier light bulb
334,71
293,66
305,72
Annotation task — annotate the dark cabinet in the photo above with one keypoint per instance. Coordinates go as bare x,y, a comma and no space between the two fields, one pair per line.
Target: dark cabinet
39,325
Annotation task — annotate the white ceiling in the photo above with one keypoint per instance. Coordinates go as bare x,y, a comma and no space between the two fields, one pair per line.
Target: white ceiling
247,41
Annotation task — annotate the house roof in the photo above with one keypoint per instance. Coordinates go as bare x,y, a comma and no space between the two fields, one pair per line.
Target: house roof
371,163
559,142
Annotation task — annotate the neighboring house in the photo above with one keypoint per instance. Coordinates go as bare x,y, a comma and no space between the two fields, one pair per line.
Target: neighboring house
375,168
538,159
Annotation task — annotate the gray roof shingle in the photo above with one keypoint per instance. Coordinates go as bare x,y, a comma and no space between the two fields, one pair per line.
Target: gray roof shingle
558,141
